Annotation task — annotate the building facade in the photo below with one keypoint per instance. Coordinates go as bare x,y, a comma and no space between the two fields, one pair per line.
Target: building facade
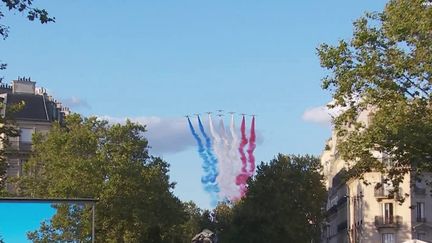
37,113
360,210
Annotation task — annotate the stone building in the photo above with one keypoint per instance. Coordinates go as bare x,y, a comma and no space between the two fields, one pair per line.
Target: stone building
364,212
37,114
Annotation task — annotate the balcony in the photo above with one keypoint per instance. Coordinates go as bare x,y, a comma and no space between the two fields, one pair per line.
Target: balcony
388,222
383,193
332,210
19,146
421,219
342,226
419,190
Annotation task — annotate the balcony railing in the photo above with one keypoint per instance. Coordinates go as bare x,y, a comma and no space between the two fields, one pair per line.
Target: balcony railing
332,210
388,222
419,190
421,219
381,193
19,146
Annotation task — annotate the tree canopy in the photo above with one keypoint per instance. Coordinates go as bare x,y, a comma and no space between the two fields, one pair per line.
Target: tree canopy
283,204
385,69
88,157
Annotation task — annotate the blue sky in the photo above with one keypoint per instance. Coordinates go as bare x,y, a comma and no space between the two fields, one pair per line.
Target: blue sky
155,61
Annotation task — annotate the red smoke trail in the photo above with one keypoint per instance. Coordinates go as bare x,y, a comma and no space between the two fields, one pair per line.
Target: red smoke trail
241,179
251,148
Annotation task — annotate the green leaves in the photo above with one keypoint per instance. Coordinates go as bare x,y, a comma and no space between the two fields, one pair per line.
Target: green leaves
283,204
26,6
90,158
384,71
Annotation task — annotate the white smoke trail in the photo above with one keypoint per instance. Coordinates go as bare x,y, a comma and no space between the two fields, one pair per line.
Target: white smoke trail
229,175
234,158
218,148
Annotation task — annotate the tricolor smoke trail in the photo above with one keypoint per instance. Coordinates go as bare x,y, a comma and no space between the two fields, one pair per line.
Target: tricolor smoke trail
209,178
226,164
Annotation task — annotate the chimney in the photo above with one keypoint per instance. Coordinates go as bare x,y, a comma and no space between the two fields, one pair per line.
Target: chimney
23,86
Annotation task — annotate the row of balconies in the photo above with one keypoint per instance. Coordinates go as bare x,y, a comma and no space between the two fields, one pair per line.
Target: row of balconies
382,193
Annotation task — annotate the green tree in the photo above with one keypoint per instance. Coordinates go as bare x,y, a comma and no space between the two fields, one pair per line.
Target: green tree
185,231
90,158
283,203
223,221
385,69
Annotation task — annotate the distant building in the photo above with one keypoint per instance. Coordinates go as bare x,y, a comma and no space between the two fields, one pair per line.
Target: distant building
357,212
37,115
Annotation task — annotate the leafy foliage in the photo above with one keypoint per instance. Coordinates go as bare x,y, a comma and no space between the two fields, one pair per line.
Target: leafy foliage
90,158
283,204
196,220
385,70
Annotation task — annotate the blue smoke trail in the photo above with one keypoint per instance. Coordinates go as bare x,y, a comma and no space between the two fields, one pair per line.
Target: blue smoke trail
209,179
209,151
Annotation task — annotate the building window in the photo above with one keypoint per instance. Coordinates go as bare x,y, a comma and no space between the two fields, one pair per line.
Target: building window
388,213
26,135
388,238
420,212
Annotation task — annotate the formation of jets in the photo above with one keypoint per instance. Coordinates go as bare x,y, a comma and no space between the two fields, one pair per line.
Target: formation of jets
221,114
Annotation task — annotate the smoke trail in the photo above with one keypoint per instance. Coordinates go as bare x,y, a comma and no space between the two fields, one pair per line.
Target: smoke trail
218,150
224,180
209,179
208,149
251,148
235,159
243,176
231,190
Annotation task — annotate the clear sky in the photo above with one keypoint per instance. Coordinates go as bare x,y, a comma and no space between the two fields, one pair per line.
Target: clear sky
155,61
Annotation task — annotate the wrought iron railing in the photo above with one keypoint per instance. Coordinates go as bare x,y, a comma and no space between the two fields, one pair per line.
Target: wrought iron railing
388,222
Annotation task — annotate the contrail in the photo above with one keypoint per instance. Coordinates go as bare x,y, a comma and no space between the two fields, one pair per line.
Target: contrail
209,179
243,176
251,148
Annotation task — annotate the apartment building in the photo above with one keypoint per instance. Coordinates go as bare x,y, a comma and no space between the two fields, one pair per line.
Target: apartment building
38,113
366,212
